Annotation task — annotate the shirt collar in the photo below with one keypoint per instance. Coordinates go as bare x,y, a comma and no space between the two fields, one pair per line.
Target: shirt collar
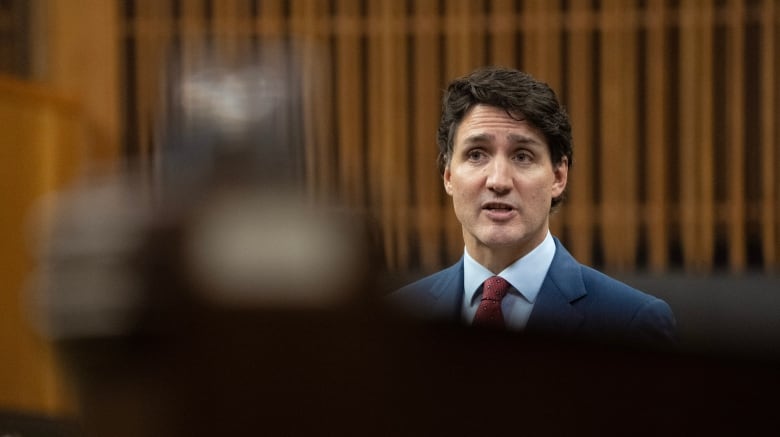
525,275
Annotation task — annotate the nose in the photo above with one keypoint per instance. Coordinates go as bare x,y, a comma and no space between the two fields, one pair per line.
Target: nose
499,178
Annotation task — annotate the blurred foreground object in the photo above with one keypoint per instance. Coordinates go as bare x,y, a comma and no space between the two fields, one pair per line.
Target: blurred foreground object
235,122
157,288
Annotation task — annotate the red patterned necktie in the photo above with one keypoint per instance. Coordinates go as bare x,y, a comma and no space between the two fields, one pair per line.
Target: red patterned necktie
489,312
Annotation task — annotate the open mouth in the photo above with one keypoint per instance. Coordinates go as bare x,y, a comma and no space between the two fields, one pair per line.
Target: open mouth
497,207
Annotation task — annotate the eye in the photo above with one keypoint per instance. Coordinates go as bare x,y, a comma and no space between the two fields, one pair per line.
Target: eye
475,155
523,156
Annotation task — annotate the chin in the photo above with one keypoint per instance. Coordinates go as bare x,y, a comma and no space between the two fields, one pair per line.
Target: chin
503,241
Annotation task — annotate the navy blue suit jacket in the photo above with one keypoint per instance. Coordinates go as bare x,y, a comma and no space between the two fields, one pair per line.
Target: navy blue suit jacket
574,301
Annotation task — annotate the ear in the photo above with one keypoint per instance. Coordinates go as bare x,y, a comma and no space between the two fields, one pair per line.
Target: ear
561,173
447,182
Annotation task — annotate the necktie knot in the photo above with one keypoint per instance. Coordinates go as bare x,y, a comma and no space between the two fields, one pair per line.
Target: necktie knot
495,288
489,312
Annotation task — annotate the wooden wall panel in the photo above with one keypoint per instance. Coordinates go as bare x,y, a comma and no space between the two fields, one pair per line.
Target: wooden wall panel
657,136
696,125
735,133
317,93
542,42
349,86
270,22
770,171
503,33
426,97
388,134
618,126
396,148
151,48
230,27
651,172
580,22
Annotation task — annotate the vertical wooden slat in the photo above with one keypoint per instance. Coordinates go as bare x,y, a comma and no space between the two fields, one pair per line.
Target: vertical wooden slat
618,127
580,106
735,126
427,86
465,30
225,24
655,155
690,127
386,135
318,95
270,23
373,148
152,34
313,53
349,84
542,42
696,137
769,143
398,149
503,31
392,153
141,79
298,32
192,28
705,155
379,26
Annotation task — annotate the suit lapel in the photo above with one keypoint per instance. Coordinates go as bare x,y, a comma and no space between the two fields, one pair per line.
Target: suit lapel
448,293
553,309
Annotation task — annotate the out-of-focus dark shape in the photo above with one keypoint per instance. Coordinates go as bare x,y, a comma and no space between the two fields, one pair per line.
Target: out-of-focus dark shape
26,424
166,291
85,285
239,122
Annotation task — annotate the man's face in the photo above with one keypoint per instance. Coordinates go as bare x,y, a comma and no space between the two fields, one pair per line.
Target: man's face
502,181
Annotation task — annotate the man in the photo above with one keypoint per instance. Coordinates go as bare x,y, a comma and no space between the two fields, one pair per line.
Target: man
505,150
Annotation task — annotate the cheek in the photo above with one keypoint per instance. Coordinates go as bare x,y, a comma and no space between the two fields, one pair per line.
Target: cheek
460,186
465,192
538,192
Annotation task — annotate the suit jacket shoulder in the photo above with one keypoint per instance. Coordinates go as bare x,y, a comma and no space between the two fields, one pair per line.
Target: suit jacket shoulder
576,299
438,296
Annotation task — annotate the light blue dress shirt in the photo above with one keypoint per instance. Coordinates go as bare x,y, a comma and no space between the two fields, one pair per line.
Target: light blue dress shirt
524,275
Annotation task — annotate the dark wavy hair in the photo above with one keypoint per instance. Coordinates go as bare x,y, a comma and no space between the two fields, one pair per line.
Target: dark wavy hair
514,91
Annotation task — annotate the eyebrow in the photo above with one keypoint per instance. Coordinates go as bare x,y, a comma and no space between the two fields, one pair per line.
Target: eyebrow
519,139
522,139
478,138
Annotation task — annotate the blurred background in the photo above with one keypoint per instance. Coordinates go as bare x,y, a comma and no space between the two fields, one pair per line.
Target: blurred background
675,186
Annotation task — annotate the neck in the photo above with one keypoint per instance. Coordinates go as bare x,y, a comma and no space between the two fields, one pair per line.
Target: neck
496,259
